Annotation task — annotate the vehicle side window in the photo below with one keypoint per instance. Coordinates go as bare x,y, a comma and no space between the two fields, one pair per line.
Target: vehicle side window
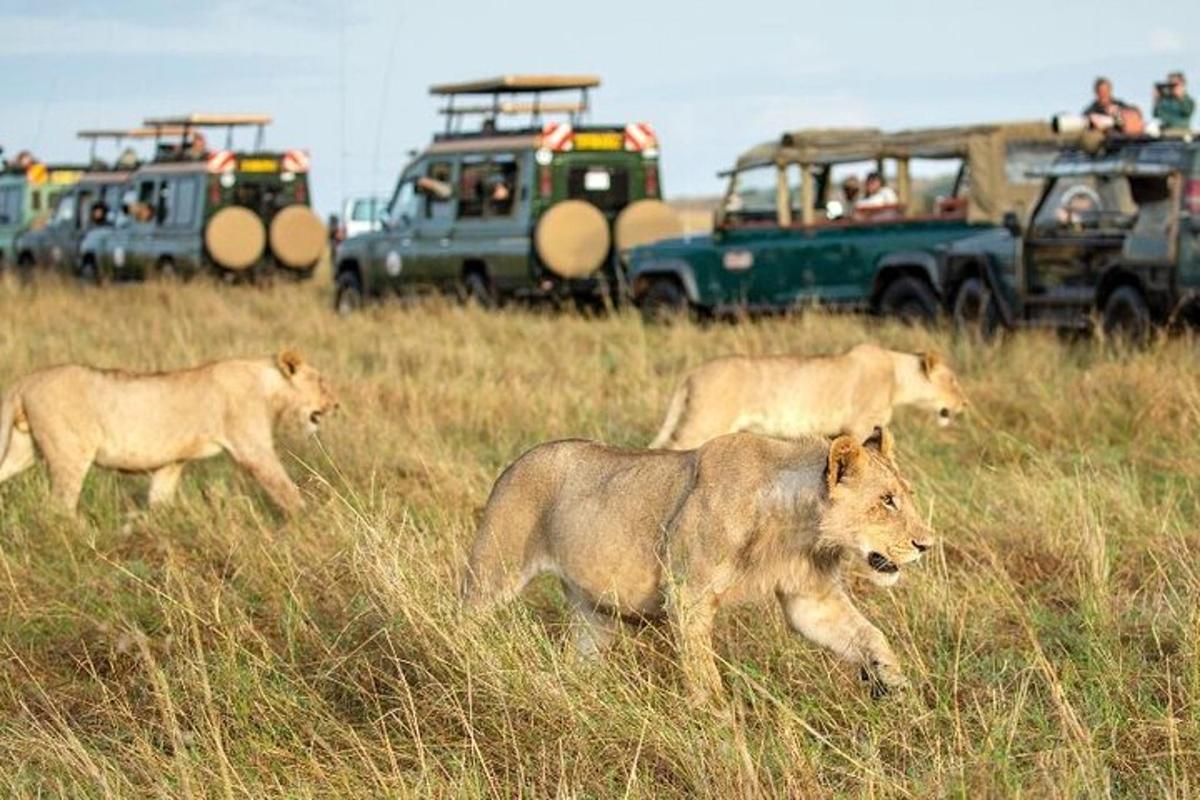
162,205
185,202
64,212
440,208
487,187
1091,202
145,202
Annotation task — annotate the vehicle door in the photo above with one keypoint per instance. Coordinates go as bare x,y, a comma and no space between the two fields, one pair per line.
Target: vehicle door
489,227
749,242
134,253
180,239
1189,229
63,231
1076,233
433,262
390,250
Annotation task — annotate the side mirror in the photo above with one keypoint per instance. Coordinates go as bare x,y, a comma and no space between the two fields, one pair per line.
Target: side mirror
1012,223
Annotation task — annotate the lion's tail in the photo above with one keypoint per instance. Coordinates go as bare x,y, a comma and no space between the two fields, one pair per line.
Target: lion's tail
675,413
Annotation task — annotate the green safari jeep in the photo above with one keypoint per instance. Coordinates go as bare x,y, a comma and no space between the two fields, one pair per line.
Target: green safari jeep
1114,239
784,235
29,190
535,209
236,214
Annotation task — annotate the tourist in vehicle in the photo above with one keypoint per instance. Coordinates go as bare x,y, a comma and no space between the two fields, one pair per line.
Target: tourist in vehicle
879,195
1106,112
1173,106
99,214
851,188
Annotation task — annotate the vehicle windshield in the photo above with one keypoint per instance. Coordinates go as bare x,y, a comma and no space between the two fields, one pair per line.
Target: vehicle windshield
367,210
1087,202
752,195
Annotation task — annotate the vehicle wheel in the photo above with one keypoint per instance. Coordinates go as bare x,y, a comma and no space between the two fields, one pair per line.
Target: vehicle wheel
663,302
166,269
976,311
1126,316
349,296
25,266
475,288
90,273
909,299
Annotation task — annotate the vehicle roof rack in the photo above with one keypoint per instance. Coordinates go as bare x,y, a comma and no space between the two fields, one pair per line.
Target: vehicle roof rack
118,135
534,85
184,124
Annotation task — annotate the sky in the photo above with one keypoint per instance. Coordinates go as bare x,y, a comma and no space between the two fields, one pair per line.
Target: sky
349,81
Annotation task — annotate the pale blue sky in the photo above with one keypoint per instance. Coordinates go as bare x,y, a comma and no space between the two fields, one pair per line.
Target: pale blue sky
713,78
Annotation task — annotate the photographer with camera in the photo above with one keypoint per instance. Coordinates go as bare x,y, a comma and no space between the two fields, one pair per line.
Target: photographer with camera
1173,106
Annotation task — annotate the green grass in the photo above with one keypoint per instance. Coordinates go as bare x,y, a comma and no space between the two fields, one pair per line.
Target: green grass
213,648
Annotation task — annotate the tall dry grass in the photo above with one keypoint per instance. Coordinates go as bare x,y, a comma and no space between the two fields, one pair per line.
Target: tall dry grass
215,649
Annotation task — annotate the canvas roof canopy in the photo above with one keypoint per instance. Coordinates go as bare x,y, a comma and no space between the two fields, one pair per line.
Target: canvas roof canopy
208,120
518,83
984,148
132,133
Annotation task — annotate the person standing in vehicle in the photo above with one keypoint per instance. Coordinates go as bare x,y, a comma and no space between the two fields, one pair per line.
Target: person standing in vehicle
1173,106
1106,111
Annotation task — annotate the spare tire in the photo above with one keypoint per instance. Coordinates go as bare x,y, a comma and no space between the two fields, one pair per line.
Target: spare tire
297,237
572,239
646,222
235,238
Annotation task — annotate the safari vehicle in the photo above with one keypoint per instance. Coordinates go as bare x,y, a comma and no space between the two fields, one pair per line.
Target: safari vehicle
1114,238
91,202
28,191
238,214
782,237
526,208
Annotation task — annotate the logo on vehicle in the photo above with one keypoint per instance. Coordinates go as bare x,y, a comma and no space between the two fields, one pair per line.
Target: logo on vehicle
392,263
738,260
119,256
55,254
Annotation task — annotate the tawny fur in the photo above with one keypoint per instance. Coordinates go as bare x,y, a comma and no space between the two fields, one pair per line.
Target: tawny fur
77,416
745,517
851,393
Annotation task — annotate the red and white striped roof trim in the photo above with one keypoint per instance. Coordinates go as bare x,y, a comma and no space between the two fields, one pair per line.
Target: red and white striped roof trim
221,161
640,136
295,161
558,136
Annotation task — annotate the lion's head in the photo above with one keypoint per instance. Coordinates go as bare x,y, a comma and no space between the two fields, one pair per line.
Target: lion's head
941,393
309,395
871,514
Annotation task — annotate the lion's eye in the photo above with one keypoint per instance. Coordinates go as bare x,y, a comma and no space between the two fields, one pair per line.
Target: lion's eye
890,502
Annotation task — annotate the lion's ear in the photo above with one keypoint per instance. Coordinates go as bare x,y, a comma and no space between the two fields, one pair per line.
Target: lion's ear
845,455
882,442
289,362
929,362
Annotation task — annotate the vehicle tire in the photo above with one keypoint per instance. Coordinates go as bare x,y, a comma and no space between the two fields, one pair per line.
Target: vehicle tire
909,299
664,302
976,311
25,265
475,288
90,273
349,296
1126,316
166,270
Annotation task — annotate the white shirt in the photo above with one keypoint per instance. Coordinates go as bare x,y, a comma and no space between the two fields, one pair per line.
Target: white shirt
884,197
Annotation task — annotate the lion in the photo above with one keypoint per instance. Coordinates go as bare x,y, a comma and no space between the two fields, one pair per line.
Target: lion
76,416
851,393
649,533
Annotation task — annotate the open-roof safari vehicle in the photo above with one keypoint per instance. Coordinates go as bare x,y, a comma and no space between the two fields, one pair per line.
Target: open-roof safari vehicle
90,202
515,205
1115,235
28,191
784,235
239,214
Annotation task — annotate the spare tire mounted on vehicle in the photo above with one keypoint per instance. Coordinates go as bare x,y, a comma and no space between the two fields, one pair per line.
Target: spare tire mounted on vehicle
297,237
235,238
645,222
572,239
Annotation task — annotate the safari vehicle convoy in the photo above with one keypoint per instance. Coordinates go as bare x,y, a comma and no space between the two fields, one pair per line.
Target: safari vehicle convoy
89,203
1114,237
28,192
541,209
242,215
783,237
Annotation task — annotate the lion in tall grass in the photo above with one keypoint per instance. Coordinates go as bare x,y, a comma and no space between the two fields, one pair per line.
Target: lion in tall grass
77,416
852,393
745,517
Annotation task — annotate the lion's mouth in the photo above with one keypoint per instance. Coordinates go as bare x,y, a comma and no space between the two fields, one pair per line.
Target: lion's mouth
880,563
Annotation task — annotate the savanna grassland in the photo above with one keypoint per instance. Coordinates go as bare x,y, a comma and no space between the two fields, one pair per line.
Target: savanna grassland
215,649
